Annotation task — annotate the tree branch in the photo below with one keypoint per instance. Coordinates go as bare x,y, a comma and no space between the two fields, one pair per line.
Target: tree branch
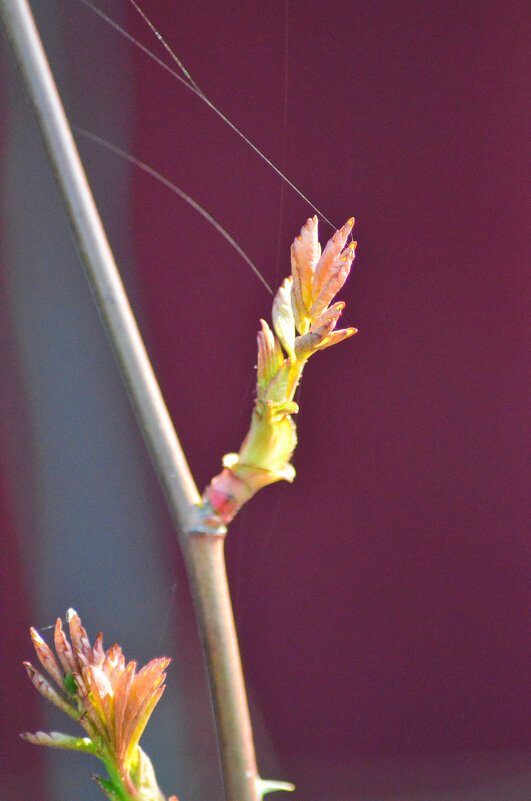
203,550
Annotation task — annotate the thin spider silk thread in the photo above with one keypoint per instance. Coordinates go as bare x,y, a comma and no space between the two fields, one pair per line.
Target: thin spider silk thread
174,188
193,87
191,84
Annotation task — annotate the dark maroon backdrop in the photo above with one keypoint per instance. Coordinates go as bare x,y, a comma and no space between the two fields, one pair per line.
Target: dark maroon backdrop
387,608
383,598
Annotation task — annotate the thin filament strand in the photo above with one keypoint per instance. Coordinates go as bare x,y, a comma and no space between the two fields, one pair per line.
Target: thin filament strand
191,202
192,86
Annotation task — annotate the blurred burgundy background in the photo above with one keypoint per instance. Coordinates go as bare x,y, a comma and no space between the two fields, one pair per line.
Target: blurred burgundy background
383,599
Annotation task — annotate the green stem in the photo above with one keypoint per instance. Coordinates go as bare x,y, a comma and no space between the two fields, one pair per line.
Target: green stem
116,782
203,552
294,377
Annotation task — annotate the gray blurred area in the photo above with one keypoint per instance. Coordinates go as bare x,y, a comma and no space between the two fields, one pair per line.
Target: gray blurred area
89,514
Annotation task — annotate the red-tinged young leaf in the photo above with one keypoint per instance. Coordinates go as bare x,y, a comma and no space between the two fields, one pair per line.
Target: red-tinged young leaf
63,649
109,699
331,252
305,253
50,693
113,664
329,316
139,723
122,705
336,277
144,693
98,654
46,657
79,638
337,336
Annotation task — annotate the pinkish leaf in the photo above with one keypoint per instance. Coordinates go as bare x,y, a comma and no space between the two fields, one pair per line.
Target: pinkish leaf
98,654
46,658
139,723
63,649
114,664
79,638
50,693
144,689
122,704
305,253
331,252
329,317
337,274
337,336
